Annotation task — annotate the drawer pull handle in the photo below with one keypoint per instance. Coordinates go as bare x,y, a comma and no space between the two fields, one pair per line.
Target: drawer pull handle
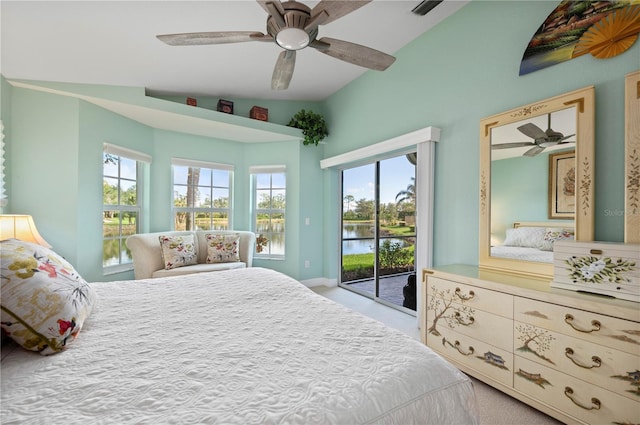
464,297
596,325
457,347
596,403
597,362
596,251
461,321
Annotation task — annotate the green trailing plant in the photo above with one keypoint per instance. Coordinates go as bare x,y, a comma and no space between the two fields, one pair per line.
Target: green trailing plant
313,126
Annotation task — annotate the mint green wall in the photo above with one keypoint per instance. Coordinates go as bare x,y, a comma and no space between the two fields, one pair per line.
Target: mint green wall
44,166
464,69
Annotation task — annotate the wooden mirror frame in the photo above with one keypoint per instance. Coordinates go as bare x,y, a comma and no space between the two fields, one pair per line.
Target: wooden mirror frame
584,101
632,159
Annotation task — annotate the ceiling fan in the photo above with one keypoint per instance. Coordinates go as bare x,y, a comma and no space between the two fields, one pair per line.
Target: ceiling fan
541,139
294,26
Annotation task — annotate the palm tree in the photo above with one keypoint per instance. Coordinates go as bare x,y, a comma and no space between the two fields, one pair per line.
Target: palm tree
349,199
409,194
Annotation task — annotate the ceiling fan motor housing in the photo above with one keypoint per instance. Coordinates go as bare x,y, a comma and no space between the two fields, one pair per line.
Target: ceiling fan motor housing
296,16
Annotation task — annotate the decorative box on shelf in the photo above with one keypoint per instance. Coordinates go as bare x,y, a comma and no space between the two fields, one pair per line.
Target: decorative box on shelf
225,106
259,113
191,101
604,268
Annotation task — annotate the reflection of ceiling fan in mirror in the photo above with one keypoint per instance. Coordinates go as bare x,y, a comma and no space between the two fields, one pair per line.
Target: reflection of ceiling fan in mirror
541,139
294,26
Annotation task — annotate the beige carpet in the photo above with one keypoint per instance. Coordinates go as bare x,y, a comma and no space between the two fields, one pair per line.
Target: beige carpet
496,408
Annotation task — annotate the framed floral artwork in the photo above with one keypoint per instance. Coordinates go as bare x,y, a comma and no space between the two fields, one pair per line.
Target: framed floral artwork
562,185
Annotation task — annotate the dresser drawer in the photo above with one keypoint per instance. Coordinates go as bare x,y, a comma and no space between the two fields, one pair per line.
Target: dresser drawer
603,330
609,368
577,398
478,324
599,267
484,358
478,298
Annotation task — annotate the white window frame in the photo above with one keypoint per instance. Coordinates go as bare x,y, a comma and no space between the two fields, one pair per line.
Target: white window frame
254,171
142,160
195,210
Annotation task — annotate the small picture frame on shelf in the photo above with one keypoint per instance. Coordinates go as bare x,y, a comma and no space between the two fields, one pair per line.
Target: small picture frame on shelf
225,106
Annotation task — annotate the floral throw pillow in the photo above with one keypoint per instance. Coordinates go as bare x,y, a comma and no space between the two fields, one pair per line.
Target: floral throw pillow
44,300
178,251
222,248
554,234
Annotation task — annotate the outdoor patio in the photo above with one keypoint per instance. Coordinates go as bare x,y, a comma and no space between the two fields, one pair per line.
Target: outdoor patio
390,287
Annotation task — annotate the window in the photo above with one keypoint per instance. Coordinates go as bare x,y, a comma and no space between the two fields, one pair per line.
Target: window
269,204
122,184
201,195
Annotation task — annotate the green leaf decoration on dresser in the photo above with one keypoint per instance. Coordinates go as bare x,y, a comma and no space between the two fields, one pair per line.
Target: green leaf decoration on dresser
589,269
313,126
450,308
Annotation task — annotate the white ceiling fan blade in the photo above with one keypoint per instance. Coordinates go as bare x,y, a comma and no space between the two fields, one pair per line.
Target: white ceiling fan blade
283,70
218,37
337,8
356,54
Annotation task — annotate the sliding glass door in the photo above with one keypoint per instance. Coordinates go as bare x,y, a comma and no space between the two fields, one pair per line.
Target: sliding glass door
378,230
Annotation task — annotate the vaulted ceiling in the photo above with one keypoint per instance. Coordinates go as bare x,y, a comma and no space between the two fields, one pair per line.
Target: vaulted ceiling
114,43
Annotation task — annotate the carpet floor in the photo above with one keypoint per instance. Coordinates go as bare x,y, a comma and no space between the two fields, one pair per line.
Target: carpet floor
495,407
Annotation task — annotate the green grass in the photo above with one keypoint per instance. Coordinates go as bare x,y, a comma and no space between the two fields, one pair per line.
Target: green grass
357,261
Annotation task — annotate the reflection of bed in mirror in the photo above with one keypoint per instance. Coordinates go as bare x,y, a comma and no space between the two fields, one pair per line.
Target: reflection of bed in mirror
532,241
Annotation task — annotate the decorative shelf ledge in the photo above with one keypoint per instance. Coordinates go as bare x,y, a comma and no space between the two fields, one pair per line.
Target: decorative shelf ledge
131,102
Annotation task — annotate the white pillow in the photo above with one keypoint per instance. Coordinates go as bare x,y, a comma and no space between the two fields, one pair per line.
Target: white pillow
526,237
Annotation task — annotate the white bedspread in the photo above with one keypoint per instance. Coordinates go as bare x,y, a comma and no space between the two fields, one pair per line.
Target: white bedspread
248,346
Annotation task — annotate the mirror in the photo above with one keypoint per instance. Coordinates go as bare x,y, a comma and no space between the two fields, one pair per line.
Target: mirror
536,182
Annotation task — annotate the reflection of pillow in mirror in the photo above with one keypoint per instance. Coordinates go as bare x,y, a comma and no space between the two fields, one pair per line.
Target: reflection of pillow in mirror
555,234
526,237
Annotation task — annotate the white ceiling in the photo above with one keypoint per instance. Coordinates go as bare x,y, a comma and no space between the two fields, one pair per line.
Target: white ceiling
113,43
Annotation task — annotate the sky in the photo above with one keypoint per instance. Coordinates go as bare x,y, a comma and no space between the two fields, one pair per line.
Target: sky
395,176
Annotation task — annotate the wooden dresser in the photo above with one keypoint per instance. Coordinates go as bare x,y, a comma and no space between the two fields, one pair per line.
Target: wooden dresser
574,356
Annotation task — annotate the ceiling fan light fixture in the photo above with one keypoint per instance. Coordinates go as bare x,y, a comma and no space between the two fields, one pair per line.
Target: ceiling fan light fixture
292,39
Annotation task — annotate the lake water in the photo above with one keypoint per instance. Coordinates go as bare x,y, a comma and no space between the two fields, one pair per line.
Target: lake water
360,246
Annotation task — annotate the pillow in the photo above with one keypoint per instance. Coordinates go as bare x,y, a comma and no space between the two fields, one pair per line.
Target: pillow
526,237
178,251
222,248
44,300
555,234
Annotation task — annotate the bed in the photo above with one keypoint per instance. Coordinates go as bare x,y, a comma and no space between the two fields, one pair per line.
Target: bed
246,346
532,241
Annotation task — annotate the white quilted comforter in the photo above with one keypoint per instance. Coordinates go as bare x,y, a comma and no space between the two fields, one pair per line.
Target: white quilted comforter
248,346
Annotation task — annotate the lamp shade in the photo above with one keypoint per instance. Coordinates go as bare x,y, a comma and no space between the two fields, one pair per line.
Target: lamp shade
21,227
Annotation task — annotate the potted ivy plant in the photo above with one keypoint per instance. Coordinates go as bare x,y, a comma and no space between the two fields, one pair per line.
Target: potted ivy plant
313,126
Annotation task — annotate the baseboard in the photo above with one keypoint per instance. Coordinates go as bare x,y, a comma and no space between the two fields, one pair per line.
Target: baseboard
320,281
